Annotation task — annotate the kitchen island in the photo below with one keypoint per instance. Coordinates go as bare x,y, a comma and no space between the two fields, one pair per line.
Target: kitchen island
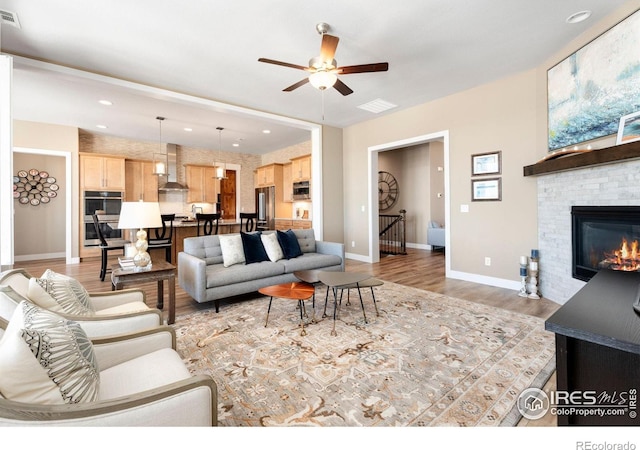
189,228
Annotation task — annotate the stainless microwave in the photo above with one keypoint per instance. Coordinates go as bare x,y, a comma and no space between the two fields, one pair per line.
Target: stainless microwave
301,190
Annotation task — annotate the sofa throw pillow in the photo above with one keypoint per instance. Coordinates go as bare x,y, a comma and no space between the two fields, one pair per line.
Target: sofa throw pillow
46,359
289,243
272,246
232,251
72,297
253,249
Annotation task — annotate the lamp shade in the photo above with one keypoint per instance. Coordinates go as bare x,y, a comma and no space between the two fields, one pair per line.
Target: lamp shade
323,79
140,215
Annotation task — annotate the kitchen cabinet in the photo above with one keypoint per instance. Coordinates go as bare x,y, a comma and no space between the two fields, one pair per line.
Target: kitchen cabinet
269,175
102,172
202,186
285,224
287,183
140,182
301,168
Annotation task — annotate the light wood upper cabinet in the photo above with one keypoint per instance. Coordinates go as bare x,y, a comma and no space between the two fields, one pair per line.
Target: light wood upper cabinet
141,183
287,183
102,172
202,186
301,168
268,175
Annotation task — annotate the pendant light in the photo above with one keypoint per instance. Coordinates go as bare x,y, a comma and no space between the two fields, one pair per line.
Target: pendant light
160,161
221,169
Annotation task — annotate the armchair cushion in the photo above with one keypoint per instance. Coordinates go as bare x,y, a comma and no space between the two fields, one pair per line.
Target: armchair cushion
60,293
140,374
46,359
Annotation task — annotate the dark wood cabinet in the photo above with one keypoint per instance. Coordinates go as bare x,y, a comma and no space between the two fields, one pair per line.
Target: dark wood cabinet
598,350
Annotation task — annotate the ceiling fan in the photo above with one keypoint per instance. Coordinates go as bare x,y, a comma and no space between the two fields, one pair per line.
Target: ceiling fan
324,69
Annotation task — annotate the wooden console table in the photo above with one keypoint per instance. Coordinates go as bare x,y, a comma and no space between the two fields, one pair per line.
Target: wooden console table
598,345
160,271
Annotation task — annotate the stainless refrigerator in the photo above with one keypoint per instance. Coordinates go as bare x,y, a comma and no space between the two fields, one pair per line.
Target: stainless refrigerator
266,207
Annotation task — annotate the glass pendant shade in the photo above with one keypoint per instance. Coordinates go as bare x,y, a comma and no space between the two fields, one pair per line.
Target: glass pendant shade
323,79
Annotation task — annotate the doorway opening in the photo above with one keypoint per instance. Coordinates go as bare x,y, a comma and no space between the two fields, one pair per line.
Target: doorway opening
373,153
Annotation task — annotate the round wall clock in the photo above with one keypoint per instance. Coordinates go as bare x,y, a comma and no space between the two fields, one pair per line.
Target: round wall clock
34,187
387,190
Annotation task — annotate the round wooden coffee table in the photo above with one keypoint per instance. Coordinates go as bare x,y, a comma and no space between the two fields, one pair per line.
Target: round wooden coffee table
297,290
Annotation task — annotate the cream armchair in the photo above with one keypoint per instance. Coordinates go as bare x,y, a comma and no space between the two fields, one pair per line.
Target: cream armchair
115,312
143,382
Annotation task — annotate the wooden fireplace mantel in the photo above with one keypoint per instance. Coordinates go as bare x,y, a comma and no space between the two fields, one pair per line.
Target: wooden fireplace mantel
606,155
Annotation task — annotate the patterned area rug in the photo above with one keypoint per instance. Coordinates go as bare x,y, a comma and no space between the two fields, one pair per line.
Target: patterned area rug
426,360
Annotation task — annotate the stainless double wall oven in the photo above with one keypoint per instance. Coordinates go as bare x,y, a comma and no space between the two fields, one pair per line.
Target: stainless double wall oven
107,205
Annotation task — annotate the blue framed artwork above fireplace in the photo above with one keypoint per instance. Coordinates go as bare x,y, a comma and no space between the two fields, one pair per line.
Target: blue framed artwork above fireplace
589,91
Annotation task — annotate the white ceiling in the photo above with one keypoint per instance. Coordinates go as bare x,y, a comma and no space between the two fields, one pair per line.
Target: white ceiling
186,60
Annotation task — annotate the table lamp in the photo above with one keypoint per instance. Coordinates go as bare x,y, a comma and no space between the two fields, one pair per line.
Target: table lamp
140,215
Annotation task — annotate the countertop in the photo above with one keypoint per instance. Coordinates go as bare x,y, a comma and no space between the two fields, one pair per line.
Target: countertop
194,223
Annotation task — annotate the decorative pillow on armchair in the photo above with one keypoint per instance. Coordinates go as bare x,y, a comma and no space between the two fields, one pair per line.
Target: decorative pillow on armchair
289,243
60,293
46,359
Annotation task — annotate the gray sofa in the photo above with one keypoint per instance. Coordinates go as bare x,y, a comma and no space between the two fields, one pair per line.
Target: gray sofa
203,276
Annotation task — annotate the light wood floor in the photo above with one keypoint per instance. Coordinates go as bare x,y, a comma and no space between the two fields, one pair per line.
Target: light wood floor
422,269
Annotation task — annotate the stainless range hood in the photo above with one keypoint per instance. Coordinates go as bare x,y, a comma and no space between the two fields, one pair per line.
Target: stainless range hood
172,166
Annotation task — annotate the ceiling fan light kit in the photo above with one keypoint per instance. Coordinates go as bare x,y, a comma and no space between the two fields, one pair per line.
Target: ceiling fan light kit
324,69
323,79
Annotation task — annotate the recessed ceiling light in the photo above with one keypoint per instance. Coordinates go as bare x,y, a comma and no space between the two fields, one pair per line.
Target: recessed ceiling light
104,127
188,129
579,16
105,102
266,131
236,145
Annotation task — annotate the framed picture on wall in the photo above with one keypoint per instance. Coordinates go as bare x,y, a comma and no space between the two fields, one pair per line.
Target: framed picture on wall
486,163
629,128
591,89
487,189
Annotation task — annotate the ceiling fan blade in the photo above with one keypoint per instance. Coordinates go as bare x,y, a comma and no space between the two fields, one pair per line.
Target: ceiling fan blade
342,88
296,85
328,47
280,63
376,67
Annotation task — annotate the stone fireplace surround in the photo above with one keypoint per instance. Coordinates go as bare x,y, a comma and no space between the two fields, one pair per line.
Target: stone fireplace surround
612,184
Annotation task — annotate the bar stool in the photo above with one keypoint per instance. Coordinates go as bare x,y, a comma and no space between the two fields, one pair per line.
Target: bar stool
209,223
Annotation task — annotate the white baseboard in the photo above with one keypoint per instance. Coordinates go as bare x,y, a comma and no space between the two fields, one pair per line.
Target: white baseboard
361,258
418,246
39,256
482,279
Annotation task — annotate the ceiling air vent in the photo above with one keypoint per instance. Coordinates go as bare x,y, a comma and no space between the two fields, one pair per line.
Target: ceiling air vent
377,106
9,18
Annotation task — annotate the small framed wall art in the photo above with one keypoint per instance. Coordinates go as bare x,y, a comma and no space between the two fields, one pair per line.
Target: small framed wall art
629,128
487,189
486,163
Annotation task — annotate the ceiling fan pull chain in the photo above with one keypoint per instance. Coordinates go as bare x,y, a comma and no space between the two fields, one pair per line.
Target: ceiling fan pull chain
322,91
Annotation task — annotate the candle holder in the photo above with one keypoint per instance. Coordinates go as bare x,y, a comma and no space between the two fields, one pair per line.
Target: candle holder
533,275
523,276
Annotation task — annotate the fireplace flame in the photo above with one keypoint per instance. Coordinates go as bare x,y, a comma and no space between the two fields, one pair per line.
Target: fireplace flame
626,258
